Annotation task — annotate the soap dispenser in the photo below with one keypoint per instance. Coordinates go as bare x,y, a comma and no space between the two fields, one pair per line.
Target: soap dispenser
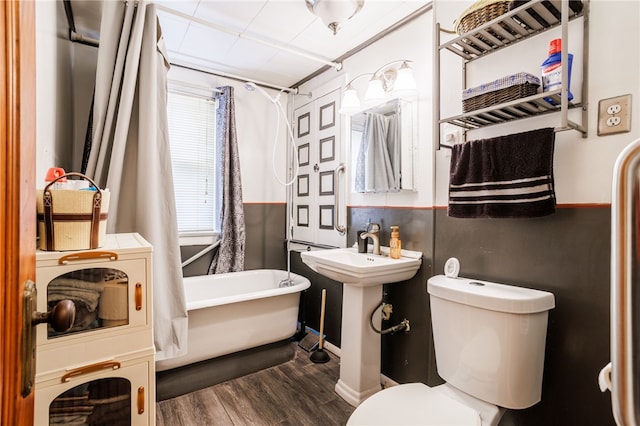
395,245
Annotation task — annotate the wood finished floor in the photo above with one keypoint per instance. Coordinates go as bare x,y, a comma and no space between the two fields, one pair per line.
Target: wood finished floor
297,392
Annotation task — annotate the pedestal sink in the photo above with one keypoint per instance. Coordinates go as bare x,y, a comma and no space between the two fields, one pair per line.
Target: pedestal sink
362,275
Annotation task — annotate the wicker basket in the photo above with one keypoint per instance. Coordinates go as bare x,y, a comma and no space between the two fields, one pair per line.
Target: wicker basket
480,13
504,89
71,219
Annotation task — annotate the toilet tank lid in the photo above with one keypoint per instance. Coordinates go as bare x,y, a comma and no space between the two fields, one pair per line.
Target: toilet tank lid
489,295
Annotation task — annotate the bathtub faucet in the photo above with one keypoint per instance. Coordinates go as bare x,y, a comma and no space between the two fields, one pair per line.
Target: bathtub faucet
287,282
373,231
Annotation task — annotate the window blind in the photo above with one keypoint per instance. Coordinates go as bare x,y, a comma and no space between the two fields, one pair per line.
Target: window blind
191,122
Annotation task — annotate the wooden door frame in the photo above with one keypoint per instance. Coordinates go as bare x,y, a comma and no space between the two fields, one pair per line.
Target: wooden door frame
17,196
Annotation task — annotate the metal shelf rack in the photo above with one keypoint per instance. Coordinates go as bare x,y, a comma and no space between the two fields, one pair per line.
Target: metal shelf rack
519,24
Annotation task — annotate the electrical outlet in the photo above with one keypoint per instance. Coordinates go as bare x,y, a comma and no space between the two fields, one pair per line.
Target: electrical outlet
614,109
452,135
613,121
614,115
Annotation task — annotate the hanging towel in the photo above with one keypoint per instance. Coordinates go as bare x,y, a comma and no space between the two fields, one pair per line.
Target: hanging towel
504,177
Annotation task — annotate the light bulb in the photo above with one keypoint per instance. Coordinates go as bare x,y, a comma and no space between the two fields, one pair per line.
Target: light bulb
350,101
375,91
404,79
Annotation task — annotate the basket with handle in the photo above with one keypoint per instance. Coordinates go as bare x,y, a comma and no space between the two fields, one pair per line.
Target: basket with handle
72,219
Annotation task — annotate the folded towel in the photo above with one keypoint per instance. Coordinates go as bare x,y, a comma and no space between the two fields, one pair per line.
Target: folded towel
504,177
88,297
61,282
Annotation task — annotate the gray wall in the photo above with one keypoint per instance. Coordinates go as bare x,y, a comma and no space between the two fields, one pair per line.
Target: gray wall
312,299
566,253
264,248
405,356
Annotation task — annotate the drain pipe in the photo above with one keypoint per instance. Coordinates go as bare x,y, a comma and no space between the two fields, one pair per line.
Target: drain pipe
403,326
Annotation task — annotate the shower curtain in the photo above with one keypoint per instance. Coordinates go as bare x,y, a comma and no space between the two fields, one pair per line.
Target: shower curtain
378,162
230,254
128,152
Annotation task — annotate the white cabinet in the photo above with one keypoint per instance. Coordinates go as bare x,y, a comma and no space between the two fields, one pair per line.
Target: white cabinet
119,391
102,370
530,19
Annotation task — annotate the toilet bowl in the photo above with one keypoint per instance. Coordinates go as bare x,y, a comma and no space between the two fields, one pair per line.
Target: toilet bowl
489,341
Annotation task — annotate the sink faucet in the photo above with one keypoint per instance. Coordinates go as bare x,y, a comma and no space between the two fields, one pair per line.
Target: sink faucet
373,231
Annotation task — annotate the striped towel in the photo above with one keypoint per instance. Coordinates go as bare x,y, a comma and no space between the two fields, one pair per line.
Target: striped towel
504,177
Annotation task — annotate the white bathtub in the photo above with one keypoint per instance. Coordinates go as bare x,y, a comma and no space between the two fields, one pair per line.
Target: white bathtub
237,311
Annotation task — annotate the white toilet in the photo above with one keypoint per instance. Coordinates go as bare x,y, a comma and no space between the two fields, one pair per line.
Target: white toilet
489,341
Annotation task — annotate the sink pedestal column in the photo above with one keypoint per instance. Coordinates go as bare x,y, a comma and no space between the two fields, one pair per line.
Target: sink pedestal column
360,345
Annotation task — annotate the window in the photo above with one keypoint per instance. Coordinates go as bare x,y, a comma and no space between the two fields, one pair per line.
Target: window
192,124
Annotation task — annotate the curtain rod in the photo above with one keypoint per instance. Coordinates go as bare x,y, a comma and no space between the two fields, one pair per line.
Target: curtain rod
234,77
336,65
79,38
73,35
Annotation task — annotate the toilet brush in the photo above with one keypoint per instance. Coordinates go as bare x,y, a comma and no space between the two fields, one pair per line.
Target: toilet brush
319,356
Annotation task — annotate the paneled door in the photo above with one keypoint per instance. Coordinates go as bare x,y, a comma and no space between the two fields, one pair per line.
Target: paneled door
320,187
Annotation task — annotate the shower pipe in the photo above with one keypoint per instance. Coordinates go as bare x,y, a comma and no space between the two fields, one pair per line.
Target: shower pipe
336,65
625,258
251,86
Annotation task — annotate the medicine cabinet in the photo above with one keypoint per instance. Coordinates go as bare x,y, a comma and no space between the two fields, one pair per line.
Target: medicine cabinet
382,145
527,20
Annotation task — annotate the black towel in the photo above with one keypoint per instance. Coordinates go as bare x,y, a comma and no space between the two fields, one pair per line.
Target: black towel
504,177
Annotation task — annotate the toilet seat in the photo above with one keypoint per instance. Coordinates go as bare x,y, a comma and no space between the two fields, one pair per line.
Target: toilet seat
413,404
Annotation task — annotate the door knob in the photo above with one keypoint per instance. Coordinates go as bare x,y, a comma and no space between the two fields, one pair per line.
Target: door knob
61,318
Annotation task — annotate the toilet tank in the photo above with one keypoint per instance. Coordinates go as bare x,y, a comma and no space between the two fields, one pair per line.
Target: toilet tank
490,338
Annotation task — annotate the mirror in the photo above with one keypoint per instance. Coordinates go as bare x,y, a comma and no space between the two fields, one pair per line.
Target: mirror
382,139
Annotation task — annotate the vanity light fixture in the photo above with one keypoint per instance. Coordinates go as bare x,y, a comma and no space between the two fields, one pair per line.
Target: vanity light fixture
386,79
334,12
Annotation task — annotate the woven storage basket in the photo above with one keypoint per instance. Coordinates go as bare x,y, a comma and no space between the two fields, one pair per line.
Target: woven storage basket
70,219
504,89
480,13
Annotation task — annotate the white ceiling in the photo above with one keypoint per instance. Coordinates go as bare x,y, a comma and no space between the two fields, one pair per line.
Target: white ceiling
286,23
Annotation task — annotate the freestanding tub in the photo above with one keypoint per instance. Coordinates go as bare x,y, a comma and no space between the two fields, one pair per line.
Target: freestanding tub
236,311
